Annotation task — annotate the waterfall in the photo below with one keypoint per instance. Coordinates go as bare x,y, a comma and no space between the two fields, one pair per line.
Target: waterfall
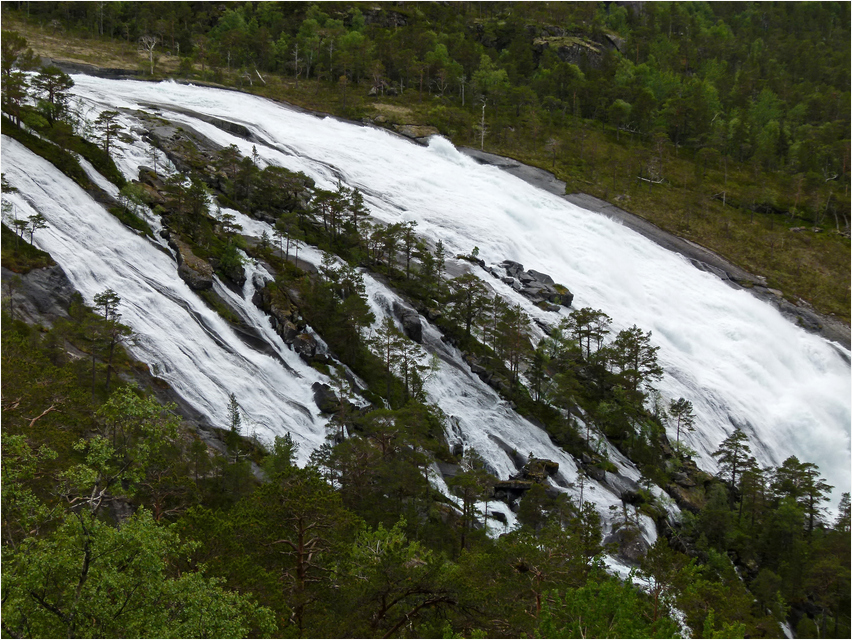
736,358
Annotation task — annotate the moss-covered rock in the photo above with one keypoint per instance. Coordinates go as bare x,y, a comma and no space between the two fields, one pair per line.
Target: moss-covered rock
197,273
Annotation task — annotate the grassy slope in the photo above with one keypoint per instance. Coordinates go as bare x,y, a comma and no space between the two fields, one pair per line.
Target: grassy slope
589,158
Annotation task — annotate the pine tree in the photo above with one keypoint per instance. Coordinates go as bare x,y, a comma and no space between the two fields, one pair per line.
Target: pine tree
637,359
801,481
733,454
112,330
842,523
387,343
586,326
35,222
467,298
109,128
681,412
17,58
53,86
234,419
514,339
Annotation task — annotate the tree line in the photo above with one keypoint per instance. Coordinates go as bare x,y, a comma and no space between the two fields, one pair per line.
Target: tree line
735,118
740,82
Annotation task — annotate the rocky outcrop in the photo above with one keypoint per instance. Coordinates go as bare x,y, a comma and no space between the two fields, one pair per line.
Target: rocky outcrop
384,17
630,545
410,320
415,131
689,487
535,471
511,491
235,273
40,296
197,273
538,287
576,49
539,470
283,314
185,147
480,369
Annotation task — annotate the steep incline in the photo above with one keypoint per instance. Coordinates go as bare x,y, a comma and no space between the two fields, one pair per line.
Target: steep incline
738,360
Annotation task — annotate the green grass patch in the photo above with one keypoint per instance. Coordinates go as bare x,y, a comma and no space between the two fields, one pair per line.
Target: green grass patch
20,256
130,219
218,305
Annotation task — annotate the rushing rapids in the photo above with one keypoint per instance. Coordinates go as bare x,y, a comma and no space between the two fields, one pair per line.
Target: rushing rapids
736,358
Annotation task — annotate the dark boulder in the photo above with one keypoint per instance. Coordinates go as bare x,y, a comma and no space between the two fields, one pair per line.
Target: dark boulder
288,331
541,277
623,486
539,470
595,473
325,398
410,320
499,516
305,345
481,372
514,269
259,280
566,297
546,306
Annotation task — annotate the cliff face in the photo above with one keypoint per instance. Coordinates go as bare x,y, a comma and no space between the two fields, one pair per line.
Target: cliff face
39,296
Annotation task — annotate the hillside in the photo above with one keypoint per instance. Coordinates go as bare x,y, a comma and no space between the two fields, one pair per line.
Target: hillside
386,425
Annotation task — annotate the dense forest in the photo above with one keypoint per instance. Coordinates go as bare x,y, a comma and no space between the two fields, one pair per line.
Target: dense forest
120,520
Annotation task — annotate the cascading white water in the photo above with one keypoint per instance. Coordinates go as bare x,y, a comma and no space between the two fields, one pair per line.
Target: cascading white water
736,358
183,341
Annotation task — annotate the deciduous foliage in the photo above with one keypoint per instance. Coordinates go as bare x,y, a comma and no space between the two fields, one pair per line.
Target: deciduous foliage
88,578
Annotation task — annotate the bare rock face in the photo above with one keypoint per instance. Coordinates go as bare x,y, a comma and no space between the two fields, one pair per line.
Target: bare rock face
543,278
197,273
40,296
